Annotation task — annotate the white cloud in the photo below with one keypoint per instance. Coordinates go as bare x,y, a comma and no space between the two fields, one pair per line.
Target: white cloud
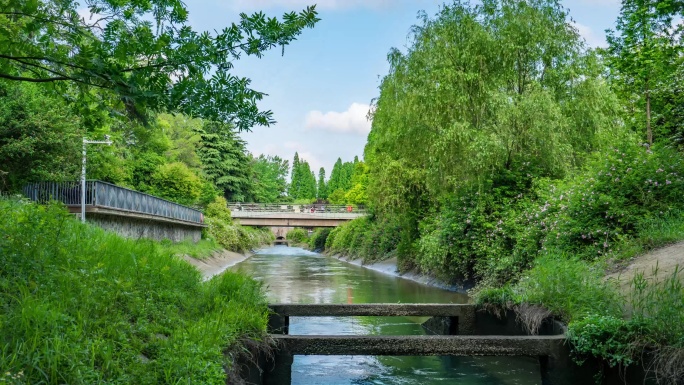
588,34
252,5
353,120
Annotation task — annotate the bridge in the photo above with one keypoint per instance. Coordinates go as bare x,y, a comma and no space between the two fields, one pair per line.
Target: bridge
293,215
453,330
129,213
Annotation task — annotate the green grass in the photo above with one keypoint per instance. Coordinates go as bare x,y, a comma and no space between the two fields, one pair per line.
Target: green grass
81,306
568,287
602,323
199,250
658,231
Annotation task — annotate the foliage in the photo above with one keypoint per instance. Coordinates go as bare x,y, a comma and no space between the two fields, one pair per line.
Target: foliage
337,197
568,287
321,187
659,303
654,323
644,54
318,238
607,337
218,209
225,161
231,236
297,236
202,249
519,88
176,182
40,138
82,306
364,238
303,185
359,180
141,56
269,174
621,189
183,138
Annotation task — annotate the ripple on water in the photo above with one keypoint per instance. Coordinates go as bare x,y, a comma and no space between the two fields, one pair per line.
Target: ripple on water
295,275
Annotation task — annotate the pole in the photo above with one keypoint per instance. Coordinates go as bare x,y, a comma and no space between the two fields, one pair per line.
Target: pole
83,182
83,172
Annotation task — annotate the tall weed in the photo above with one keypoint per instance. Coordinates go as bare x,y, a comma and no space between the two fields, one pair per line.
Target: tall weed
82,306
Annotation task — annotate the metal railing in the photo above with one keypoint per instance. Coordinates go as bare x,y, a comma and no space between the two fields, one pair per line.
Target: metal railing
107,195
295,208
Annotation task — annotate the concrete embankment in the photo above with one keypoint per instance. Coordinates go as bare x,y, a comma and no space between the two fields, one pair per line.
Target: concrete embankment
389,267
224,259
217,263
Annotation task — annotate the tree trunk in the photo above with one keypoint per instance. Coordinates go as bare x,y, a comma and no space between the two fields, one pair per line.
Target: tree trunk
649,133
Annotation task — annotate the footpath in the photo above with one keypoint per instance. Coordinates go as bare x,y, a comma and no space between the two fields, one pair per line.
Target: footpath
665,259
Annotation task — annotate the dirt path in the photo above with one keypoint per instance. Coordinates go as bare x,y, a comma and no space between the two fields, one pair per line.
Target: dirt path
217,263
667,259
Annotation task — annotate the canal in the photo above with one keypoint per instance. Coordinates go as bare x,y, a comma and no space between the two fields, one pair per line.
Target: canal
294,275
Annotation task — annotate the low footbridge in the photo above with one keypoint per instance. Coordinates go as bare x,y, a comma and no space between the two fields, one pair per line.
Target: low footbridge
288,215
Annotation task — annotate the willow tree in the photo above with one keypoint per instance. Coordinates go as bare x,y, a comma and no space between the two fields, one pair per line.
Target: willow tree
486,95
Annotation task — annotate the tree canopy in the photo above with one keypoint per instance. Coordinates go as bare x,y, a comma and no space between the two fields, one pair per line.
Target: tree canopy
645,55
137,57
484,94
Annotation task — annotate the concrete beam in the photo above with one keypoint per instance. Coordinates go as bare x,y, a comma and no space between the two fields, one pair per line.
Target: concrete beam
532,346
373,309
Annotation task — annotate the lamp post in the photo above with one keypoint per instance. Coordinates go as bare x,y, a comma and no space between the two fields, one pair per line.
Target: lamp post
83,171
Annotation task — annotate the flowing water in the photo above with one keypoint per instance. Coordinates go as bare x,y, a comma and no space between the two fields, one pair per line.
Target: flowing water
294,275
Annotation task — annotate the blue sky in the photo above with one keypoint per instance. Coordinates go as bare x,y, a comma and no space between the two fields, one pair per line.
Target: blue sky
319,91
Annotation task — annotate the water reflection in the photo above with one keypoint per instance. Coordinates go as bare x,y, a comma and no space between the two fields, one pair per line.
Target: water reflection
294,275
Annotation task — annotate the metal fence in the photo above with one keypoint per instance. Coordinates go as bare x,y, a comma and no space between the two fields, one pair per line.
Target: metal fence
107,195
295,208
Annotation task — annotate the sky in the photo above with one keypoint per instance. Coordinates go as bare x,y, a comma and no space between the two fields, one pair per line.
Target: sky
320,90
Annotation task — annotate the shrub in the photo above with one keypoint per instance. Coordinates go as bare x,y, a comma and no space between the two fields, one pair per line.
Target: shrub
176,182
606,337
568,287
660,305
318,238
655,324
297,236
592,214
231,236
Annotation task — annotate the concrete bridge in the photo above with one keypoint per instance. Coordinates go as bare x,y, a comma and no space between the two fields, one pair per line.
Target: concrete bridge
129,213
453,330
289,215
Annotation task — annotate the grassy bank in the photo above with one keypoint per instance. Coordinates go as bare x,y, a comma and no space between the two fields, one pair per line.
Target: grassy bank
222,231
81,306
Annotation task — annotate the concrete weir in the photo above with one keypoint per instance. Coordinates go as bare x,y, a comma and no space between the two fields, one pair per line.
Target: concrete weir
454,330
419,345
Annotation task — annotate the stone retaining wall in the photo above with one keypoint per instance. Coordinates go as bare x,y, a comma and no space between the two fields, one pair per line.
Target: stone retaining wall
145,228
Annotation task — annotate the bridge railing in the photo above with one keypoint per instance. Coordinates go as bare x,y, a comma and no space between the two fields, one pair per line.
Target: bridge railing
107,195
295,208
